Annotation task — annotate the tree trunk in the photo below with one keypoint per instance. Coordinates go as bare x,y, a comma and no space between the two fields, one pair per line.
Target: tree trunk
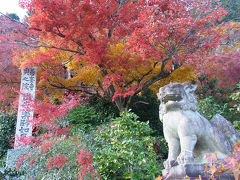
120,103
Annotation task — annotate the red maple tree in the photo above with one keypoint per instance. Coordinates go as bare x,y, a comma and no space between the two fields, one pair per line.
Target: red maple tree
10,73
223,63
168,32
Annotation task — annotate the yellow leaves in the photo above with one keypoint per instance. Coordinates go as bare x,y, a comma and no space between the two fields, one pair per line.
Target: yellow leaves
233,48
63,57
206,168
131,66
47,88
75,64
232,42
214,169
147,68
22,57
182,74
117,50
138,72
88,75
158,178
42,49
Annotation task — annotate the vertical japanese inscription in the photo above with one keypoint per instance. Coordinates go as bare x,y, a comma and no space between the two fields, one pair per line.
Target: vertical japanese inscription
26,99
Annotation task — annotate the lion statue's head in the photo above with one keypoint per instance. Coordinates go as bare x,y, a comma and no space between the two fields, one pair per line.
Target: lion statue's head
177,96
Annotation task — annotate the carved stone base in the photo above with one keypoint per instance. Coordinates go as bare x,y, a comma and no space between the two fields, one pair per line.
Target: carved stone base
191,171
13,155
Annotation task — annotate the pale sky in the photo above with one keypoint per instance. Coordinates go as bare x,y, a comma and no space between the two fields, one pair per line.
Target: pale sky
11,6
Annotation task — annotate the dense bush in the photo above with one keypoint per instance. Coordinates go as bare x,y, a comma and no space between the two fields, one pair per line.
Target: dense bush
57,158
147,108
208,107
235,96
83,116
236,107
7,130
55,153
93,113
86,118
125,149
104,108
161,148
214,100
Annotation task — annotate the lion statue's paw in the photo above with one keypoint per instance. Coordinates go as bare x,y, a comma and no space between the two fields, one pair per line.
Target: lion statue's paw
185,158
169,163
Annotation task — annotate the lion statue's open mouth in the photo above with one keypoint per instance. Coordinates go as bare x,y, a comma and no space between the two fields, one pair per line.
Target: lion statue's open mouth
172,97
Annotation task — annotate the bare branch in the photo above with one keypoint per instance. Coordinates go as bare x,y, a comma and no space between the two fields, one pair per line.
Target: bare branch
48,46
85,89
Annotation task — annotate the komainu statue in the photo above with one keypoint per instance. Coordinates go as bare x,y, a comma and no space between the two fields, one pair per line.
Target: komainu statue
189,135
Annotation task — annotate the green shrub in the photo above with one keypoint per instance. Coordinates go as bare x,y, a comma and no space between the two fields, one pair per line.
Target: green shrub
208,107
236,97
125,149
87,117
222,103
161,148
104,108
147,108
83,116
236,107
214,100
237,125
7,130
57,158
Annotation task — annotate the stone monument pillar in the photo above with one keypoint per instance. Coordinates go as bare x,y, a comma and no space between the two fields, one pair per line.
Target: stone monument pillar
25,114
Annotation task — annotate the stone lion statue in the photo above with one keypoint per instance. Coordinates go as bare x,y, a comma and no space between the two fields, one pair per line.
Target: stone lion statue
189,135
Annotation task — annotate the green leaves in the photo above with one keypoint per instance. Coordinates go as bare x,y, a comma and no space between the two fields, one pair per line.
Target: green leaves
89,116
208,107
7,129
233,8
236,97
125,149
221,102
83,116
236,107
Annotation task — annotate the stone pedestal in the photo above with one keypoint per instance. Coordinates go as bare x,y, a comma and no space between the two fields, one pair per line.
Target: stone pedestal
191,171
13,155
1,173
